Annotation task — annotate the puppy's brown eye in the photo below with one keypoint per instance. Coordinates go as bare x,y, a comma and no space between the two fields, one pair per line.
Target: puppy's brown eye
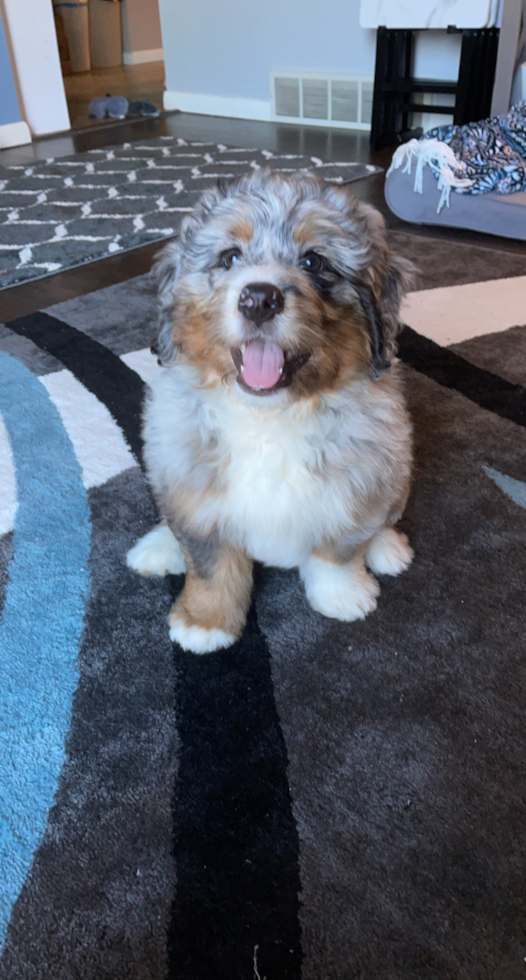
312,262
229,258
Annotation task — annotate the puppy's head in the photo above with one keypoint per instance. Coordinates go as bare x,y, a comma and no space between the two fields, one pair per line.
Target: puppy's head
281,287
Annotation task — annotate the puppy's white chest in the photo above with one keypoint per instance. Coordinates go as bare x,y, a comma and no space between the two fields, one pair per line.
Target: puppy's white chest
271,491
277,483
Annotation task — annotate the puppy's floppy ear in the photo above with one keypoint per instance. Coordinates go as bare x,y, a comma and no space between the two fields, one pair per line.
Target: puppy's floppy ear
169,265
166,270
379,278
381,296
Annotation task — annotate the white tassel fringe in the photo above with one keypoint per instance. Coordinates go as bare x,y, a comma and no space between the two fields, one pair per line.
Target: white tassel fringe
443,162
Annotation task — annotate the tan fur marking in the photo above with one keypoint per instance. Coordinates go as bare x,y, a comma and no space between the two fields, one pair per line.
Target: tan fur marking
220,602
242,230
339,554
199,337
310,227
180,503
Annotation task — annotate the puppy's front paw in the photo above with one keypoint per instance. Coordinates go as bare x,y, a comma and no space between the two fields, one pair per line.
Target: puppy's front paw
388,553
344,592
157,553
197,639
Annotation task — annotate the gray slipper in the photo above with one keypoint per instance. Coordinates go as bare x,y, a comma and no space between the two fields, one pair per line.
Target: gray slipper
97,108
142,108
117,106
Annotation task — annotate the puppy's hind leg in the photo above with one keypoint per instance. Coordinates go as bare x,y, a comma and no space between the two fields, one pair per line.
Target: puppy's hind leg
340,590
388,553
157,553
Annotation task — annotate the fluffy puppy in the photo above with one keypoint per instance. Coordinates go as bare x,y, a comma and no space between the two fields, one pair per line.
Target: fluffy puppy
276,430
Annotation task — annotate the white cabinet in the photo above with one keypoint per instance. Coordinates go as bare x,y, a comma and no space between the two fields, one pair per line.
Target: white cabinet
432,14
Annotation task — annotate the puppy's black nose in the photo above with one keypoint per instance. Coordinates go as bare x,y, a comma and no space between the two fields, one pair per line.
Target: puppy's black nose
260,301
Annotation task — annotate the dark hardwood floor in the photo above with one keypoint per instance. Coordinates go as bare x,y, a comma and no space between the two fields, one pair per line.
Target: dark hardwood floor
328,144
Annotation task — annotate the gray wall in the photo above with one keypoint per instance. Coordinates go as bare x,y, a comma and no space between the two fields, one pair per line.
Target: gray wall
141,28
228,49
9,111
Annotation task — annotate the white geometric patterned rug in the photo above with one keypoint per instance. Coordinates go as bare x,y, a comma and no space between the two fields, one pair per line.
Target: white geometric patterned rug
61,213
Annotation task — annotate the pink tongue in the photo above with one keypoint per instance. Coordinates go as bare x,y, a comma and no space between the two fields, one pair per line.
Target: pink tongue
262,361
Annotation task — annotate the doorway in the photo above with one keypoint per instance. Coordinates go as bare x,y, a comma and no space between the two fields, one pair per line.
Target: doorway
109,47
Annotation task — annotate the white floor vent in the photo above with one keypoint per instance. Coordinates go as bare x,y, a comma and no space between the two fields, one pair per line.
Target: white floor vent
343,101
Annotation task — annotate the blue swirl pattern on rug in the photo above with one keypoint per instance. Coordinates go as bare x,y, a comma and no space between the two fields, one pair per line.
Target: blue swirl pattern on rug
514,489
42,620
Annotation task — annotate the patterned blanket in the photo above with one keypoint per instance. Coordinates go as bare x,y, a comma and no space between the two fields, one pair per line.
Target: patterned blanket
473,159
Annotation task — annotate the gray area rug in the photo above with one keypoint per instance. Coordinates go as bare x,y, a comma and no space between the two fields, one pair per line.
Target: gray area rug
63,212
324,801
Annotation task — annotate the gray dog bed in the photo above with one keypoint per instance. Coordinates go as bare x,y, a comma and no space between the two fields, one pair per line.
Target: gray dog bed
495,214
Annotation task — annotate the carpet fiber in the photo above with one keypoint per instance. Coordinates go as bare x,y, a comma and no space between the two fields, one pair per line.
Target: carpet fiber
323,801
62,212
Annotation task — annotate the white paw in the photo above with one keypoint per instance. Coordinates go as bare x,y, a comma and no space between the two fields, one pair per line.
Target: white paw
340,591
389,553
157,553
197,639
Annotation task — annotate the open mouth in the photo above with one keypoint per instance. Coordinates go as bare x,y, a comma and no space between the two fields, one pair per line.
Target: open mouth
264,367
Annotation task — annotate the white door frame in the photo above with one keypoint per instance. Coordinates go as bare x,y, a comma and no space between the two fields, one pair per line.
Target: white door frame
507,55
33,47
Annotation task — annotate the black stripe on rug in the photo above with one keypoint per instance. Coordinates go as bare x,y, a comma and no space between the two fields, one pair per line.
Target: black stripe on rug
449,369
236,910
93,364
236,853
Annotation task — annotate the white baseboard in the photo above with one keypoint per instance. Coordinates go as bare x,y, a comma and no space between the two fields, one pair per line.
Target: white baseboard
218,105
142,57
14,134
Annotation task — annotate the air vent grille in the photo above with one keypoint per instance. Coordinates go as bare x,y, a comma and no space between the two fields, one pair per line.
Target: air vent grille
343,101
315,98
288,97
367,102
